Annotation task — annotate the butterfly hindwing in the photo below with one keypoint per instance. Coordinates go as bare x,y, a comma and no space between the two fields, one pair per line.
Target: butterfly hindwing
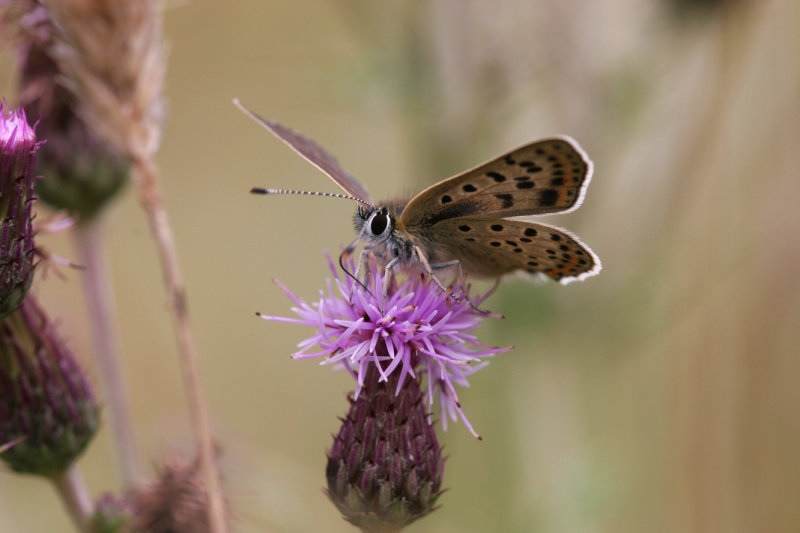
313,153
548,176
491,247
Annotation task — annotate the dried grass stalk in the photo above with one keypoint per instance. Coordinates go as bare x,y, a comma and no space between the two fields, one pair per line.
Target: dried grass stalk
110,54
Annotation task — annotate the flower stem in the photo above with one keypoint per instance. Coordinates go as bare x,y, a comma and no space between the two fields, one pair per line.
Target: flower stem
90,239
150,196
75,495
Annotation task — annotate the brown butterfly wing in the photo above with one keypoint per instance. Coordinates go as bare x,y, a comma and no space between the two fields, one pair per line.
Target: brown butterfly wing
491,247
548,176
311,152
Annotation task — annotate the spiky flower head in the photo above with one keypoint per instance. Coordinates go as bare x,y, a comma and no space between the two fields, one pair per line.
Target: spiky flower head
18,149
46,404
415,330
385,467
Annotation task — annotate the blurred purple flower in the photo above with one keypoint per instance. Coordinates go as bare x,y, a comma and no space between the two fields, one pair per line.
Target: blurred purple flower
415,329
18,149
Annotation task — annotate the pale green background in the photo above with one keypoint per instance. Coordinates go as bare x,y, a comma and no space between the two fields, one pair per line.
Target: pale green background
661,396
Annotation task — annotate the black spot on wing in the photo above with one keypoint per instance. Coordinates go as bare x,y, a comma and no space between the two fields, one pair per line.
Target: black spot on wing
530,166
462,208
507,199
548,197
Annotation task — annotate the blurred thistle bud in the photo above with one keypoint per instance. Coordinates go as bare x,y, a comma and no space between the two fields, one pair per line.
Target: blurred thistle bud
80,174
45,400
176,501
18,149
385,467
111,515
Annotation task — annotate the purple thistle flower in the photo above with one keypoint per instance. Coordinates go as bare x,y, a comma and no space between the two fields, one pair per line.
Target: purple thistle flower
18,149
415,329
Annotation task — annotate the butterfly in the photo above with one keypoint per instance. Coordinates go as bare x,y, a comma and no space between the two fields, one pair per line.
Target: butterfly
463,222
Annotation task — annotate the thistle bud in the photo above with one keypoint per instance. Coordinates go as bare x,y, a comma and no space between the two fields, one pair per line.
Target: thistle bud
80,174
46,404
18,149
385,467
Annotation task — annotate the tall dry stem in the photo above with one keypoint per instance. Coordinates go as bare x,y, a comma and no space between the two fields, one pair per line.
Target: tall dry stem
111,56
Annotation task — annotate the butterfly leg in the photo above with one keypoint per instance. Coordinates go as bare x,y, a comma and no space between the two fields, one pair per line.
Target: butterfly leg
388,274
455,263
460,276
429,269
363,257
362,261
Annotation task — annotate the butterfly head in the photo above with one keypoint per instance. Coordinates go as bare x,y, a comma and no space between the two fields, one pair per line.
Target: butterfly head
379,230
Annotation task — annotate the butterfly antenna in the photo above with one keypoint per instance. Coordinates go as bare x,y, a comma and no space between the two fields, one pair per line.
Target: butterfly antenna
260,190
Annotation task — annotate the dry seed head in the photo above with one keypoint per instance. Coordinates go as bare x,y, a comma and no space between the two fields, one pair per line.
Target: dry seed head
175,501
111,57
81,172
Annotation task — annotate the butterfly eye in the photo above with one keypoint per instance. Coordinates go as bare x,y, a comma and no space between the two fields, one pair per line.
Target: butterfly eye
379,223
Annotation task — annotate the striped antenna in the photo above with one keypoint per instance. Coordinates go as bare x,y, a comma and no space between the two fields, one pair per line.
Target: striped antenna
260,190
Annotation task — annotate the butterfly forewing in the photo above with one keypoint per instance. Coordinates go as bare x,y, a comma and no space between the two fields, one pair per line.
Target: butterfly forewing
313,153
491,247
548,176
